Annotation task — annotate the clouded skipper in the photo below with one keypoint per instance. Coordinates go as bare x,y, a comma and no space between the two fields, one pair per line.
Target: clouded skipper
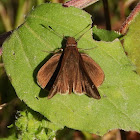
77,72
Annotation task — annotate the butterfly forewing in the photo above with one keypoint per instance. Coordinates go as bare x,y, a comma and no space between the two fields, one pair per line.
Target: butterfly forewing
93,69
47,70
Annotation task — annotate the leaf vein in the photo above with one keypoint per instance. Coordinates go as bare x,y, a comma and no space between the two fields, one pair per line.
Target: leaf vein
21,45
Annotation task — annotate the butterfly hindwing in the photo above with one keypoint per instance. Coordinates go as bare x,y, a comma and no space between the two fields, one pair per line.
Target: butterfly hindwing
60,85
83,82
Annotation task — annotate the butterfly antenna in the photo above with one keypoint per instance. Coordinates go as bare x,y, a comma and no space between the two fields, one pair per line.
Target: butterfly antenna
85,32
56,33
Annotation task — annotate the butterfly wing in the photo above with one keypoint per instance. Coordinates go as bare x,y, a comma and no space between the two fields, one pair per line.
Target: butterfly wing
78,74
89,87
94,70
46,71
83,82
78,81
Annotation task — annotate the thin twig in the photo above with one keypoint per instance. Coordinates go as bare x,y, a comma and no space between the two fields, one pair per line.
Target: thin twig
129,19
79,3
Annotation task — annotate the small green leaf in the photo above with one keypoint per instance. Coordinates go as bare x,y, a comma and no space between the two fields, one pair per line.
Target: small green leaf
105,35
31,125
132,42
23,55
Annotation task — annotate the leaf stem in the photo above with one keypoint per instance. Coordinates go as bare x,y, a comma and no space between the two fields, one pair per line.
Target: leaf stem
129,19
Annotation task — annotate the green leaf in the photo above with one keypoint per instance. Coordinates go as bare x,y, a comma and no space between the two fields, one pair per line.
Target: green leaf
105,35
23,55
31,125
132,42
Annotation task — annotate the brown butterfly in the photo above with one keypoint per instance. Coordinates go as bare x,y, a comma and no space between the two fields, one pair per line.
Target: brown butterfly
78,72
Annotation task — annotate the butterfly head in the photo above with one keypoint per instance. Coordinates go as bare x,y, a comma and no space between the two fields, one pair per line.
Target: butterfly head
71,42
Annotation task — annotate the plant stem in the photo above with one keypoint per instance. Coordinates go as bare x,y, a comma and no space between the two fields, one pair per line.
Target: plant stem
106,13
5,18
57,1
23,7
79,3
129,19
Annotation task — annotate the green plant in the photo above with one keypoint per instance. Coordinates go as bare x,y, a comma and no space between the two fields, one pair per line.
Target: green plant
23,56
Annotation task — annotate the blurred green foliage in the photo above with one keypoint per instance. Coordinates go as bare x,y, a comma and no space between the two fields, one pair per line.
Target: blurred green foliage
13,12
